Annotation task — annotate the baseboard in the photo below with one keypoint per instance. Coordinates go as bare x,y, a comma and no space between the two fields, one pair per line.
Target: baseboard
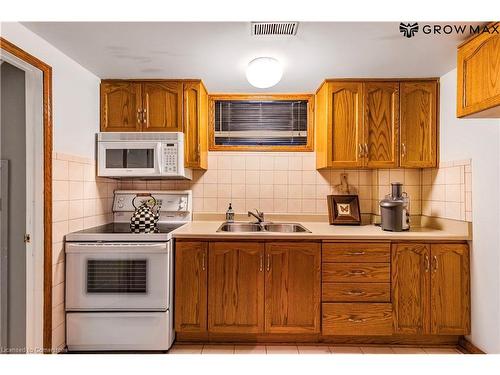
468,347
400,340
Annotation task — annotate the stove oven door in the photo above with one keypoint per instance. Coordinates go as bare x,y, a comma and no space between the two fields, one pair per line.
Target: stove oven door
118,276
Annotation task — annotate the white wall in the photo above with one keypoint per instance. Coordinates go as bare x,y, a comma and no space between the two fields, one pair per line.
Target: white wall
478,139
75,92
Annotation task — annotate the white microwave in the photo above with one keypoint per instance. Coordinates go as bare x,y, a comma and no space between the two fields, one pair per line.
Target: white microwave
145,155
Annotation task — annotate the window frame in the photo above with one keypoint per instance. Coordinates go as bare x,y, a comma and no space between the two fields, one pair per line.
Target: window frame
309,147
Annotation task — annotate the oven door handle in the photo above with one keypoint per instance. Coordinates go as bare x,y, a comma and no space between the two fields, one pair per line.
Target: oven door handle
122,247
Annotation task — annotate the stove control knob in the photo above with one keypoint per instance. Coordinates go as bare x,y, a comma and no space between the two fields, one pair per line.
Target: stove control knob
120,205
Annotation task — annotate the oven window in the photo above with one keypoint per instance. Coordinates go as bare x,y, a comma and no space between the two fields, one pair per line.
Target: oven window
116,276
130,158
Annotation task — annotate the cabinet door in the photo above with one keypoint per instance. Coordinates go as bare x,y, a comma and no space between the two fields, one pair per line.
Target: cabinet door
293,287
236,287
190,287
345,124
120,107
195,117
410,288
381,124
418,107
162,106
478,76
450,294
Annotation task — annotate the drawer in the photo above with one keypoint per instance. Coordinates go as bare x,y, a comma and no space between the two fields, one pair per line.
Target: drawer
356,292
356,272
357,319
96,331
356,252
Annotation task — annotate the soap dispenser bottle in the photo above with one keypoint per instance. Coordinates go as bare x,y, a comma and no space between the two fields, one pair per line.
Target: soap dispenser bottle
230,214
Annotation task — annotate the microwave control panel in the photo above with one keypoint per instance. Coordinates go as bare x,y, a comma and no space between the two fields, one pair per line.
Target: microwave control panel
170,157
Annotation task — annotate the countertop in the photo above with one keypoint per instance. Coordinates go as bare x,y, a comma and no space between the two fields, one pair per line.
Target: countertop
325,231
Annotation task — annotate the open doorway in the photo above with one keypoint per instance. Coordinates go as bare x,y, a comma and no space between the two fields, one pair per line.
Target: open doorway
25,192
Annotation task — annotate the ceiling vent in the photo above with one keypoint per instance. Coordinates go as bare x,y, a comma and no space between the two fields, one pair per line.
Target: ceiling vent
274,28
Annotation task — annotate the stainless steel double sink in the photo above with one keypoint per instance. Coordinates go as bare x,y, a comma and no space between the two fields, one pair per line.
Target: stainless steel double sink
263,227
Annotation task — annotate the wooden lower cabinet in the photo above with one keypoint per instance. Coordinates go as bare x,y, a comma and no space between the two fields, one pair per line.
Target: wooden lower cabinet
236,287
307,291
292,290
431,293
410,288
450,290
190,314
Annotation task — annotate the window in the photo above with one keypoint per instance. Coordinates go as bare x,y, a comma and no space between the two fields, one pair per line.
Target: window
261,122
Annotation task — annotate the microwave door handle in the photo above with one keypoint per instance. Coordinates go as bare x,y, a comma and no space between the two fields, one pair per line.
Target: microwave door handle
159,160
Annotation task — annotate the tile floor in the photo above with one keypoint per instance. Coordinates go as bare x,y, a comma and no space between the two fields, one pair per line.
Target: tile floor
304,349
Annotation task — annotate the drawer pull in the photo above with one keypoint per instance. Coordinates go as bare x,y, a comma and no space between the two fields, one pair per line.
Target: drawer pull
356,253
357,272
356,293
354,320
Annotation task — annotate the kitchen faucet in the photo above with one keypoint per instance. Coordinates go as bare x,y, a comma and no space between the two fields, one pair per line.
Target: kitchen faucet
258,215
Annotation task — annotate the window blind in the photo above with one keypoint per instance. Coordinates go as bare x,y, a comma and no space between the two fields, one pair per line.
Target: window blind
260,123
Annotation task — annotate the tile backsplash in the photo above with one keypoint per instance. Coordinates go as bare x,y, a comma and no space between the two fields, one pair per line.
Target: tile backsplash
447,190
79,201
273,182
288,182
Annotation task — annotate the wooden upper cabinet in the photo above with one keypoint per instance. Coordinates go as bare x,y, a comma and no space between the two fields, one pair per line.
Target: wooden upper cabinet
195,115
162,106
293,284
418,108
346,124
376,124
121,107
381,124
339,124
478,76
236,287
450,290
410,288
191,260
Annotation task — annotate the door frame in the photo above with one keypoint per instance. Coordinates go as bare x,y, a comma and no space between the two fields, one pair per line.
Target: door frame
46,70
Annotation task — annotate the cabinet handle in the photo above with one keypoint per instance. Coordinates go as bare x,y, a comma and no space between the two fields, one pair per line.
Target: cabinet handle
366,149
354,320
203,261
435,261
403,149
268,267
144,116
356,253
360,153
427,263
357,272
356,293
261,265
139,111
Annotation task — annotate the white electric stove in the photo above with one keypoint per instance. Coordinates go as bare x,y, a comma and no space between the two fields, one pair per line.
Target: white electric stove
119,284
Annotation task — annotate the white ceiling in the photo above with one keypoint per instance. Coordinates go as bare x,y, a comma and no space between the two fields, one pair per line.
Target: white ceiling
218,52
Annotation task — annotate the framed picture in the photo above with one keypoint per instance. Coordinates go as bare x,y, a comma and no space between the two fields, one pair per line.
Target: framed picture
344,209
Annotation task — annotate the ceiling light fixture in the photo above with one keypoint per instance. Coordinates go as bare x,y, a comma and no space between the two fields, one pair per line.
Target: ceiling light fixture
264,72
